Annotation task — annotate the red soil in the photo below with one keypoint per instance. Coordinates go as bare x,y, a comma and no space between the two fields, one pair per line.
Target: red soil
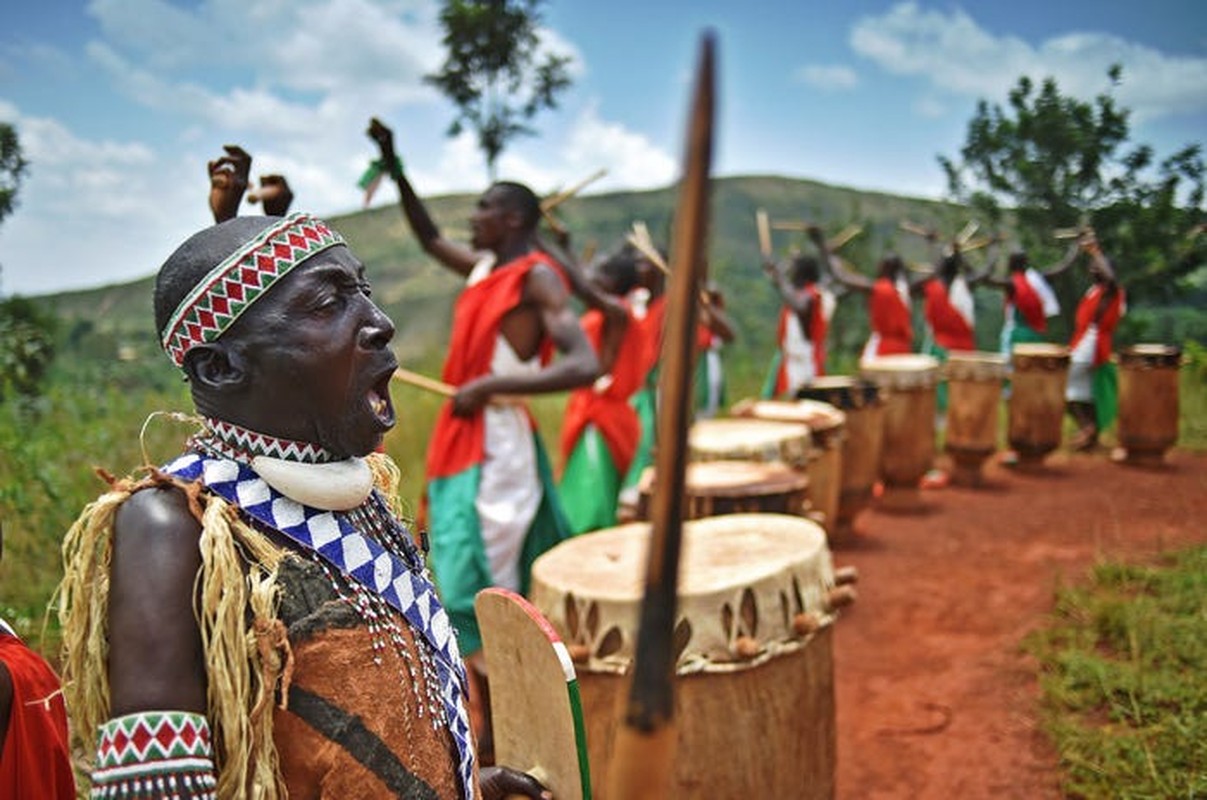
936,698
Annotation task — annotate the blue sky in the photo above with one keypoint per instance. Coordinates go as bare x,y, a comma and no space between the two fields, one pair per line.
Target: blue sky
120,103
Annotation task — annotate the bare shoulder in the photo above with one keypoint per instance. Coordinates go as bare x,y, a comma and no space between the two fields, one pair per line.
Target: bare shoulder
545,285
155,645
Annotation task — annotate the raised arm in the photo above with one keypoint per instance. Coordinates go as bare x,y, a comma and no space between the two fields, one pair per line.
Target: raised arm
713,316
1066,262
799,302
846,275
228,181
583,289
456,257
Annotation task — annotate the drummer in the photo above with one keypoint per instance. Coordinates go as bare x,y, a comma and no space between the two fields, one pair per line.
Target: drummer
713,331
601,430
1030,300
1092,392
803,323
888,304
648,305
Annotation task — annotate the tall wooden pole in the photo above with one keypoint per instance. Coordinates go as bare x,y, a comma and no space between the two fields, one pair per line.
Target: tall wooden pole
643,757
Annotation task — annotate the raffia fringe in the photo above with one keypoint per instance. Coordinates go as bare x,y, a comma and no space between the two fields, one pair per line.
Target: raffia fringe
244,663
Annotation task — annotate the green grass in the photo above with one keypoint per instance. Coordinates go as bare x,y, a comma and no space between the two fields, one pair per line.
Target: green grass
1122,666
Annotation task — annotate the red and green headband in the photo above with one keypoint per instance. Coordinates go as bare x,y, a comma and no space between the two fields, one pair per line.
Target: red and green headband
242,278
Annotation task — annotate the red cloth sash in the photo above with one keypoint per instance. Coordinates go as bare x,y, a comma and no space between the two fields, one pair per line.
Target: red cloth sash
890,317
36,761
1086,310
1028,302
609,411
816,333
457,442
951,330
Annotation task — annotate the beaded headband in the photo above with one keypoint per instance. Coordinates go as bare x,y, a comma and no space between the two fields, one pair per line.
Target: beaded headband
241,279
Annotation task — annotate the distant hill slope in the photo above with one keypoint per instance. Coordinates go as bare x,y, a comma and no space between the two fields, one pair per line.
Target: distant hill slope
418,293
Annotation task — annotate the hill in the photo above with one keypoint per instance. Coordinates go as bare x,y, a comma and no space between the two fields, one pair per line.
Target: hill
115,321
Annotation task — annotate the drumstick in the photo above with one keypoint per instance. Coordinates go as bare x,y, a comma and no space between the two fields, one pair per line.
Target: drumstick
644,747
842,237
404,375
760,218
424,382
654,257
550,203
966,232
911,227
553,223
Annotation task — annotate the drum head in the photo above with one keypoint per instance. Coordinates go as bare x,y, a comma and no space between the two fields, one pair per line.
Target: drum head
739,575
817,415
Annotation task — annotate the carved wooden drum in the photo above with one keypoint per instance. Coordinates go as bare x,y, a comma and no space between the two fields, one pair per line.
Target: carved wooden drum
860,401
908,451
974,392
1148,401
1037,400
732,487
754,691
827,425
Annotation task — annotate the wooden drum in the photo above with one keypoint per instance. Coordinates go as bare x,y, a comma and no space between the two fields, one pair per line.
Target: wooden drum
827,425
974,387
1037,400
908,452
1148,401
754,688
860,401
731,487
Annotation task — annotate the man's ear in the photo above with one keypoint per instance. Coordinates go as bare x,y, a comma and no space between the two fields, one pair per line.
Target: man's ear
215,366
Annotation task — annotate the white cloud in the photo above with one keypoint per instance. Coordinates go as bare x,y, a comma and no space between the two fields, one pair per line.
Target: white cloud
953,52
632,160
832,77
93,212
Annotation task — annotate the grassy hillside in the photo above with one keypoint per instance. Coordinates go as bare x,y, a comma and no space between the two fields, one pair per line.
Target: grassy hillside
418,293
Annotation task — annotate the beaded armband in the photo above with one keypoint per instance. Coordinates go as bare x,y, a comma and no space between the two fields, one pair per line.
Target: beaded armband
154,754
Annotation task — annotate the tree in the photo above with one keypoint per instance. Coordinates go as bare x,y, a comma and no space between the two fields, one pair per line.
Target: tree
12,169
1056,161
494,73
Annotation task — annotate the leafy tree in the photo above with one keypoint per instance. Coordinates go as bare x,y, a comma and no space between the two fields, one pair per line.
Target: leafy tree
12,169
494,73
26,346
1056,161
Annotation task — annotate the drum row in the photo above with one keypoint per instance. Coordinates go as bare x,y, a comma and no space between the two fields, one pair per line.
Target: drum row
767,490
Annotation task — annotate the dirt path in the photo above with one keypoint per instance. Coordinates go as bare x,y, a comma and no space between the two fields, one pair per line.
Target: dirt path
935,697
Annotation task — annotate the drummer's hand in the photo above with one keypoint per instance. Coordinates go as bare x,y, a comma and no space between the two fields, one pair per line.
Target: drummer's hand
275,194
228,180
500,782
470,397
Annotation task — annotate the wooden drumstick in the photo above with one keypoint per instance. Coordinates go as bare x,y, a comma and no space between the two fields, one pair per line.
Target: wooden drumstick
911,227
764,225
550,203
419,381
966,232
640,240
644,745
842,237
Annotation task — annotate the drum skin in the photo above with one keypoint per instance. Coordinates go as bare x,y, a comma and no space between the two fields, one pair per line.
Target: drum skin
974,386
1148,401
1037,400
712,488
860,401
754,686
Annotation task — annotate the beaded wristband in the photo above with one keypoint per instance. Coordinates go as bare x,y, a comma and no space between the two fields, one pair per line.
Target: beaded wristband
154,754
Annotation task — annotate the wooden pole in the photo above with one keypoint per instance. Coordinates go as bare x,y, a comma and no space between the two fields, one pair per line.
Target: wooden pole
643,754
424,382
843,236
